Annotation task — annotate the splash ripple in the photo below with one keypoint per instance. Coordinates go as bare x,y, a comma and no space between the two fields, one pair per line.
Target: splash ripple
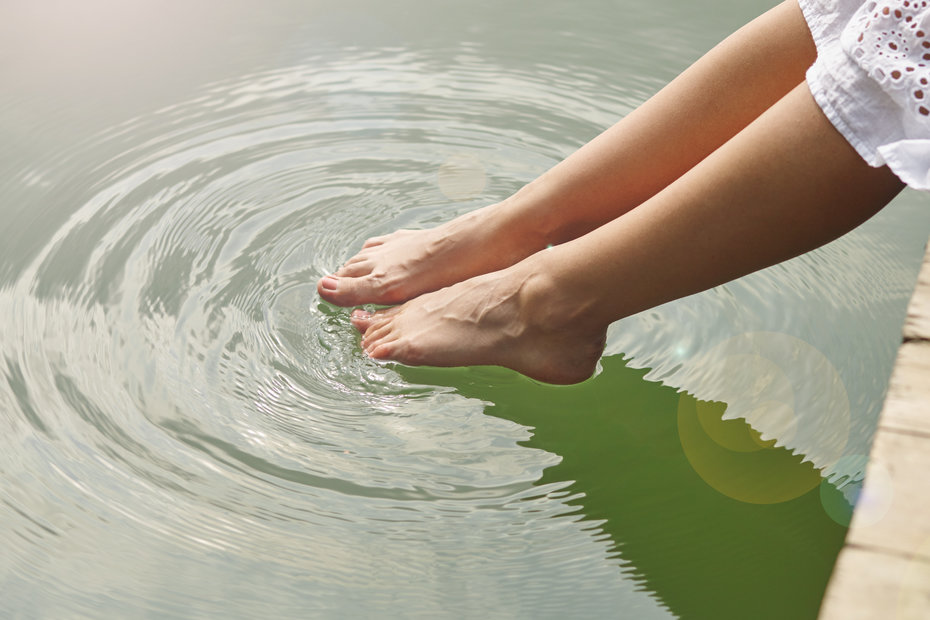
186,416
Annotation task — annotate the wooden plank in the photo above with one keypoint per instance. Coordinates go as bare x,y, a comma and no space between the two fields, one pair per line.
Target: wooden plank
907,405
867,585
892,512
884,569
917,324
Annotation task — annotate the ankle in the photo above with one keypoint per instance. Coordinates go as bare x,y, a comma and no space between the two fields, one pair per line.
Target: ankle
511,229
550,300
530,211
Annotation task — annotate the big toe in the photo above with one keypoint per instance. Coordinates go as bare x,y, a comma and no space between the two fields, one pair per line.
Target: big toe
361,319
343,291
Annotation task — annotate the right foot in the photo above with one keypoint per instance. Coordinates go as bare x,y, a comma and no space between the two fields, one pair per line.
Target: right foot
520,318
397,267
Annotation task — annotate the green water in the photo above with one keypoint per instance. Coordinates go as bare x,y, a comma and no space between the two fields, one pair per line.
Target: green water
704,553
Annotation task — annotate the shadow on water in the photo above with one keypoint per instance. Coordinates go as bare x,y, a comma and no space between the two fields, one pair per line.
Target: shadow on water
715,521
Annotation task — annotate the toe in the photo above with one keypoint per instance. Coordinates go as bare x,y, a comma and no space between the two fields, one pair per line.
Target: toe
373,325
334,289
397,349
345,290
374,241
369,288
327,286
382,351
358,266
361,319
377,330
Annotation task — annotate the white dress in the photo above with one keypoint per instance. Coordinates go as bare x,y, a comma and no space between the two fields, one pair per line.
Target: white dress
872,79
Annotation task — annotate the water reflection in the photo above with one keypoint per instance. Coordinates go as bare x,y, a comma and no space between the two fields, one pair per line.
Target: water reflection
190,428
701,511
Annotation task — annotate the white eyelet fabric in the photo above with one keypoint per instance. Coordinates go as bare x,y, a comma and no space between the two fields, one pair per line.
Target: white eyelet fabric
872,79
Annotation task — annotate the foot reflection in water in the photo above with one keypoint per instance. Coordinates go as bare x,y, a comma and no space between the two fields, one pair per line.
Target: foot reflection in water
715,521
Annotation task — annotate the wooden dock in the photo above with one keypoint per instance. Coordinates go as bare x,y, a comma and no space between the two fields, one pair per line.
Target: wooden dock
883,570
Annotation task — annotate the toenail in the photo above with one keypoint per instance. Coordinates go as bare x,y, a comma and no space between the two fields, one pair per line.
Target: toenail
329,283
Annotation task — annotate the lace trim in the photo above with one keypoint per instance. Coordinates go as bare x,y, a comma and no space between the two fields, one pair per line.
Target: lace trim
889,40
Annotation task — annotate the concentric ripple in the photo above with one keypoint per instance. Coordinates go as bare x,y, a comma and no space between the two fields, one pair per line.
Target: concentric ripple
189,418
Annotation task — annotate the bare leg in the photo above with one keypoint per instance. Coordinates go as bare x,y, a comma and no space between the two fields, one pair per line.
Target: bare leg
687,120
787,183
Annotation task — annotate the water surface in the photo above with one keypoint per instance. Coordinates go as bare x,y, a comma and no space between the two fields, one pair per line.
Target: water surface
191,432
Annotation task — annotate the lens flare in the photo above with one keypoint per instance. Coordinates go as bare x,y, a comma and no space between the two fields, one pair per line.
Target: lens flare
766,391
875,496
734,459
840,494
784,388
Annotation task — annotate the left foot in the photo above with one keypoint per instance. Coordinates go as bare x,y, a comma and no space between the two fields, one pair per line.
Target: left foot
514,318
404,264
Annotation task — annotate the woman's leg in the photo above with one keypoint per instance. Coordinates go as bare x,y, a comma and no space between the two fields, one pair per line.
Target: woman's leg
787,183
678,127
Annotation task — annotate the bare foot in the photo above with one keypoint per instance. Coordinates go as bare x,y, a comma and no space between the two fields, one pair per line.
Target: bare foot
513,318
402,265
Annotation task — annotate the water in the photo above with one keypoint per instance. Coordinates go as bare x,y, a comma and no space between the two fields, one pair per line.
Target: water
191,432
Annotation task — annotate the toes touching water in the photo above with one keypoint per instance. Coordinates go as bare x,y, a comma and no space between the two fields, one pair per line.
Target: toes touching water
489,319
464,302
467,299
651,210
394,268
